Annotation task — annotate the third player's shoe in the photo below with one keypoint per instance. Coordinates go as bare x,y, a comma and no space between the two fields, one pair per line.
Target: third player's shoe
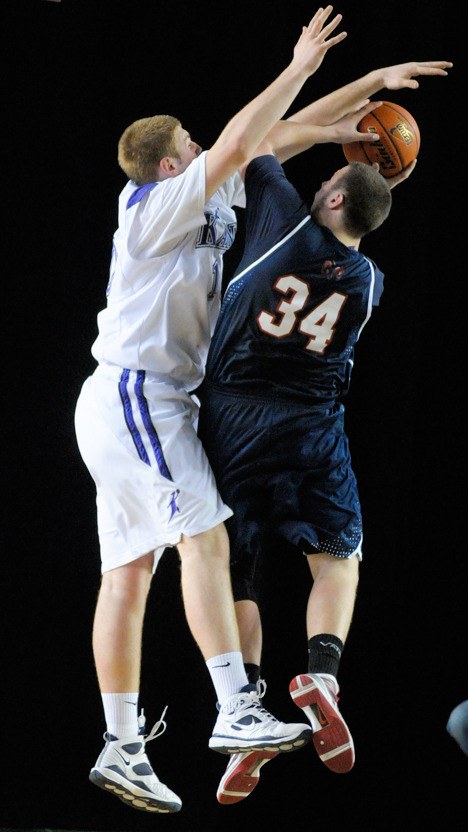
243,724
242,775
123,769
317,695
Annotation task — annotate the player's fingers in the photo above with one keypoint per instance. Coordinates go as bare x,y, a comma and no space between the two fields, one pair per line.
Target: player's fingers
369,106
321,15
327,30
362,110
435,66
319,19
315,20
427,70
370,138
335,40
361,104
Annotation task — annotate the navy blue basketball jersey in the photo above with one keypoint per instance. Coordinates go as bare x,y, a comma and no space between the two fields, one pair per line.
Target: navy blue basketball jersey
297,303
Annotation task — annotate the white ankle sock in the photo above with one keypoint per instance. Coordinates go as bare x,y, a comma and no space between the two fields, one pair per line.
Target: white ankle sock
121,714
228,674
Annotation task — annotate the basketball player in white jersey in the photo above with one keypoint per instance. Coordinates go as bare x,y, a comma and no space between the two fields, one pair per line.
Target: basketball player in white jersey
136,424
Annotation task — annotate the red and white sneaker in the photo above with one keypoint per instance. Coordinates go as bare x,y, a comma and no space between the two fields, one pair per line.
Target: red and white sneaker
242,775
317,695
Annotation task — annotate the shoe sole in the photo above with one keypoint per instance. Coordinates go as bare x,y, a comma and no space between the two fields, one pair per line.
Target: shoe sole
225,745
145,804
242,776
332,740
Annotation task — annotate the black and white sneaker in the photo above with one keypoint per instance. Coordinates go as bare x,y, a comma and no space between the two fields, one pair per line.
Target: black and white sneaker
123,769
244,725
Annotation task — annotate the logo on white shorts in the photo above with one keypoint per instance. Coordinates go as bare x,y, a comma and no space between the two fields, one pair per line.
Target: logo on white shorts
173,504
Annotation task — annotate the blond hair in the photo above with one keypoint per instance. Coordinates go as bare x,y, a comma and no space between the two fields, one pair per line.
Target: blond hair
143,144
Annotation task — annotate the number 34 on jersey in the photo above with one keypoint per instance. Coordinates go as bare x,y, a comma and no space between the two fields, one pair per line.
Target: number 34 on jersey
319,324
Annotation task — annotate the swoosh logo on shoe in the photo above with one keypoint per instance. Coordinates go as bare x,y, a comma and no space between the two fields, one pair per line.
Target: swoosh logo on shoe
127,762
242,723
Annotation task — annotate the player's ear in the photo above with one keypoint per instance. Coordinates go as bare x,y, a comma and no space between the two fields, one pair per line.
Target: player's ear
167,167
335,200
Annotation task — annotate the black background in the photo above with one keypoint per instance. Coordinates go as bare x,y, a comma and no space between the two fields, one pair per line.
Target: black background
75,74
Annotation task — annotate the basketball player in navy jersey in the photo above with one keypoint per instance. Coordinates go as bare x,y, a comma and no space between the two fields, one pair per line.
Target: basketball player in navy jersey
272,413
136,424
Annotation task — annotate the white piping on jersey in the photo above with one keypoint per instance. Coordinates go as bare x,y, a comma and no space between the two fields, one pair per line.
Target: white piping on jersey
371,295
271,250
284,240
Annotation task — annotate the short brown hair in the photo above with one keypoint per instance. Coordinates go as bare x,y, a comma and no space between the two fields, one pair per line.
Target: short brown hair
144,143
368,198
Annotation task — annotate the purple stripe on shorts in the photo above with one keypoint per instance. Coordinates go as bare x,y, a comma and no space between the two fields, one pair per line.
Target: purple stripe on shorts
128,415
150,429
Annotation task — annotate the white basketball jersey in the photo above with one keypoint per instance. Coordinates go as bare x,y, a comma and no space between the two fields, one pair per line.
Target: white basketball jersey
163,296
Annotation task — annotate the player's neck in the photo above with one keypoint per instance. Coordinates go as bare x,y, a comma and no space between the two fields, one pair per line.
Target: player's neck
347,239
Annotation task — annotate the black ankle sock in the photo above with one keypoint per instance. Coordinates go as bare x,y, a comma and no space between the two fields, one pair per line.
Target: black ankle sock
325,654
253,672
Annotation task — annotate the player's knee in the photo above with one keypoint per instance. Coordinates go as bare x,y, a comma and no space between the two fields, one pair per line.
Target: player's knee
326,566
212,544
129,582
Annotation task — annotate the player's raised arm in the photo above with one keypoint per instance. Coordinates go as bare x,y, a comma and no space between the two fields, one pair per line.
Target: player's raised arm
349,98
288,138
248,127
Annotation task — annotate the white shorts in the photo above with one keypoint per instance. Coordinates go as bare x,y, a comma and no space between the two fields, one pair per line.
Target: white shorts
138,439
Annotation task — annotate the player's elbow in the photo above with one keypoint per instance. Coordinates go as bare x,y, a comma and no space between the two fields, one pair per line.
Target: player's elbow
238,149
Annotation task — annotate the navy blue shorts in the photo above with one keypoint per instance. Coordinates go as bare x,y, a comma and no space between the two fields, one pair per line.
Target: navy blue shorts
285,471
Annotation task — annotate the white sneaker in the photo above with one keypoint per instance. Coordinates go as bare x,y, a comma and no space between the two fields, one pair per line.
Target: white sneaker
244,725
317,695
123,769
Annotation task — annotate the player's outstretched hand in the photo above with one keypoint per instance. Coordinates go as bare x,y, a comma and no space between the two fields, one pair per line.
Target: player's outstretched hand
347,126
316,40
402,75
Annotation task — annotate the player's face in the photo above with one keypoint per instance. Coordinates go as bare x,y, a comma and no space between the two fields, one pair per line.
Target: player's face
187,149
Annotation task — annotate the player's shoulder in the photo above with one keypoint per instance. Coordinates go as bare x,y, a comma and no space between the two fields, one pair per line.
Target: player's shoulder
264,165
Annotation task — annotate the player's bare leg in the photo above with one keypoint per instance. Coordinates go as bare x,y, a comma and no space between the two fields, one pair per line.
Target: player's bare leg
207,593
250,631
118,625
210,611
123,768
333,595
329,614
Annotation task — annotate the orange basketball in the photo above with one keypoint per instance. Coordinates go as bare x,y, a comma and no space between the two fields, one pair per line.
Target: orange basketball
398,144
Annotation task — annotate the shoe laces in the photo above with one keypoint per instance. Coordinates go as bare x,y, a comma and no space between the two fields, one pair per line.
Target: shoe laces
246,700
261,688
158,728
